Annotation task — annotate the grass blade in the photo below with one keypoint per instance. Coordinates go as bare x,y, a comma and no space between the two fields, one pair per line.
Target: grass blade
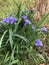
11,37
2,38
42,20
22,37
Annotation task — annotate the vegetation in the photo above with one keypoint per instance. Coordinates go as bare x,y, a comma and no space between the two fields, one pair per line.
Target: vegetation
23,41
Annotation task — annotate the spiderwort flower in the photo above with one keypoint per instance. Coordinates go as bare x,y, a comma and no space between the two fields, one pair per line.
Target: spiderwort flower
12,19
33,27
44,29
9,20
26,22
38,43
5,19
24,16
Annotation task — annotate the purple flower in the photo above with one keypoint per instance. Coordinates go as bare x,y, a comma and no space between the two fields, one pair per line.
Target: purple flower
24,16
12,19
5,19
33,27
44,29
26,22
9,20
38,43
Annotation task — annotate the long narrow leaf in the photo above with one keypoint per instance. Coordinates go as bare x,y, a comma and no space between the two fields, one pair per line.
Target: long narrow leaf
16,25
22,37
42,20
11,37
6,57
12,54
40,56
2,38
14,62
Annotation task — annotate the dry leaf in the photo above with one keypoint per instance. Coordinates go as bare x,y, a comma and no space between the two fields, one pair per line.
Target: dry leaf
42,64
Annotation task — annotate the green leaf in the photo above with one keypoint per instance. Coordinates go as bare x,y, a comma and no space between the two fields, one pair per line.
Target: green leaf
40,56
16,25
35,60
2,38
42,20
22,37
12,54
14,62
11,37
6,57
7,41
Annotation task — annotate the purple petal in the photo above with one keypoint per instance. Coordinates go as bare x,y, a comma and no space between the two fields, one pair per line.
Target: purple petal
11,22
26,22
33,27
38,43
12,19
5,19
24,16
44,29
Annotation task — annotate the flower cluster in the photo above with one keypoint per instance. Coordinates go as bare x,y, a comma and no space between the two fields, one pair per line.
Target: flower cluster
38,42
26,21
9,20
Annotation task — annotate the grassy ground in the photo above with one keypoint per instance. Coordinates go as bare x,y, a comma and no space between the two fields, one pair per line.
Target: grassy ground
8,5
5,7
